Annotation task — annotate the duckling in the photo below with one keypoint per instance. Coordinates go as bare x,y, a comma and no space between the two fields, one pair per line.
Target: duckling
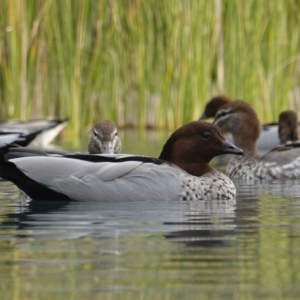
268,138
105,139
288,127
240,119
181,172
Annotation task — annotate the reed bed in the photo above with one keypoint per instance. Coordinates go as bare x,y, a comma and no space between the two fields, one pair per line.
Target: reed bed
146,63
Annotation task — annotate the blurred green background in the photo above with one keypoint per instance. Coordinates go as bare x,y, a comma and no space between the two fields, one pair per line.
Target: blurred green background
146,63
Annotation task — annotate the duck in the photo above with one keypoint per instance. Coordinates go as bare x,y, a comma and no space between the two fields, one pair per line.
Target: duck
35,133
181,172
288,127
268,138
283,162
105,139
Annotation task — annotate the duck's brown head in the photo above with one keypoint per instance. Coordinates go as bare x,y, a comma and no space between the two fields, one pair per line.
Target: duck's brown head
288,127
104,139
192,146
240,119
213,106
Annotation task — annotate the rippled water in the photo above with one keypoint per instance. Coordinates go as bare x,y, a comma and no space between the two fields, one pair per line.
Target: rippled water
248,248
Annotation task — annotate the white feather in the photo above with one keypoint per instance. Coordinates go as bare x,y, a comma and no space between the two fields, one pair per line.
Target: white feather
111,171
8,138
57,167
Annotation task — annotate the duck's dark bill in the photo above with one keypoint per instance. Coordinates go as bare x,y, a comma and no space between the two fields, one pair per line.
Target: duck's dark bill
229,148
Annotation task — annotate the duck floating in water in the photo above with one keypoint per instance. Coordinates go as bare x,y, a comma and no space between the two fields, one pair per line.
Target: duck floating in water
240,119
38,133
268,138
104,139
288,127
181,172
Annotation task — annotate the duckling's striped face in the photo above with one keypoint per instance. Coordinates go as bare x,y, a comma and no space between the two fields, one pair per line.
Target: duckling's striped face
105,139
226,118
239,119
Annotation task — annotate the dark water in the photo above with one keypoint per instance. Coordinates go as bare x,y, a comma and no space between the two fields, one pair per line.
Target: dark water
248,248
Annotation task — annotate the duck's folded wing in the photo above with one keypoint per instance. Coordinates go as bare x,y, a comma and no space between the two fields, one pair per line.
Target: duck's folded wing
47,169
65,178
283,155
268,138
8,138
116,158
30,126
16,151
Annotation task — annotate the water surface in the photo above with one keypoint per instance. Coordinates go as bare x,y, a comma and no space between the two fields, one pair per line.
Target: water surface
248,248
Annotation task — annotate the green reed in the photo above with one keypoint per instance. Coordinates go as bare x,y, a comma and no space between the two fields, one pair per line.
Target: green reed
146,63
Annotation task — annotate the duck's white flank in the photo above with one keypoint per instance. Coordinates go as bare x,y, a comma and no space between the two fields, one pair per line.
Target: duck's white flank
133,180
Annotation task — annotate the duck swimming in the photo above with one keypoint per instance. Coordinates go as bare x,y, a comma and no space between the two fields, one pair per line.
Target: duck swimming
268,138
240,119
104,139
181,172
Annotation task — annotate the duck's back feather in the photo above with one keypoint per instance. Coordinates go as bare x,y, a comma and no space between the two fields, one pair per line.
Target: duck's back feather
29,186
34,167
8,138
83,180
117,158
283,154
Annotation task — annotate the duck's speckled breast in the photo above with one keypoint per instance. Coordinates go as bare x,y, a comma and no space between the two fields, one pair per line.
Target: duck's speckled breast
243,168
212,186
251,168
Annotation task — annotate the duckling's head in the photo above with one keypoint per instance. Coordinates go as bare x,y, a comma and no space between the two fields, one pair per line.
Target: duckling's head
240,119
104,139
193,145
288,128
214,105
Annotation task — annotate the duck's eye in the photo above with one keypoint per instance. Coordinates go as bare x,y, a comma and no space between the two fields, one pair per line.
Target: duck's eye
95,133
116,133
222,113
206,135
